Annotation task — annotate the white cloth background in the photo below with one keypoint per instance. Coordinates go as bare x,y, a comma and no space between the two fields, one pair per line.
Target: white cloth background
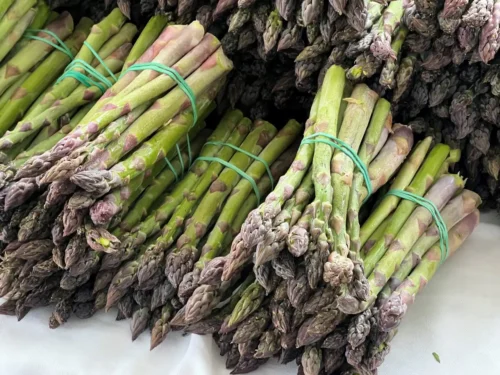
456,316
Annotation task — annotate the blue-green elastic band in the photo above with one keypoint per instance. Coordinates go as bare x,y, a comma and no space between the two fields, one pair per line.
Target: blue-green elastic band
83,79
172,169
61,47
249,154
181,160
436,215
172,73
101,61
236,169
346,149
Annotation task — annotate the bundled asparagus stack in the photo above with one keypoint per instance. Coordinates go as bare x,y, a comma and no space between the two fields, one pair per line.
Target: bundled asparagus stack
316,288
124,147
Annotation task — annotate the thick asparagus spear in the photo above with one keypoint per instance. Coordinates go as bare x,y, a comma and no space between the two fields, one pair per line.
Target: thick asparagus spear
16,33
356,120
149,34
12,15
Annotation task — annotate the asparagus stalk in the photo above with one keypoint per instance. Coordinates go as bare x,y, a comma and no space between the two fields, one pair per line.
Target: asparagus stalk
149,34
4,7
356,120
380,122
388,74
391,18
34,52
124,36
43,17
274,241
328,120
16,33
395,308
12,14
4,99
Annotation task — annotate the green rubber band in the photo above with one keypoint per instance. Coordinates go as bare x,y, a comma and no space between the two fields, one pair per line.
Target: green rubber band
90,70
436,215
101,61
255,157
62,47
346,149
172,169
172,73
179,155
82,78
237,170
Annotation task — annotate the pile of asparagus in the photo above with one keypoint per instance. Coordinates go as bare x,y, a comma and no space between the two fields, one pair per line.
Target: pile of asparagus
323,289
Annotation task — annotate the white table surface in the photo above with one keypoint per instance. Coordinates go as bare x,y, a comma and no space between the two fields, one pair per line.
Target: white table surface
456,316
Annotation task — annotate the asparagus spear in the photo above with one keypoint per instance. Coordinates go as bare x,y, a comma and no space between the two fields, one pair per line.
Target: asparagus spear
388,74
149,34
395,308
381,45
328,120
34,52
43,16
16,33
356,120
12,15
4,7
4,99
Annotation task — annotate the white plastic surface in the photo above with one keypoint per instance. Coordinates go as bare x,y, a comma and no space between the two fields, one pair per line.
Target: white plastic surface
457,316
